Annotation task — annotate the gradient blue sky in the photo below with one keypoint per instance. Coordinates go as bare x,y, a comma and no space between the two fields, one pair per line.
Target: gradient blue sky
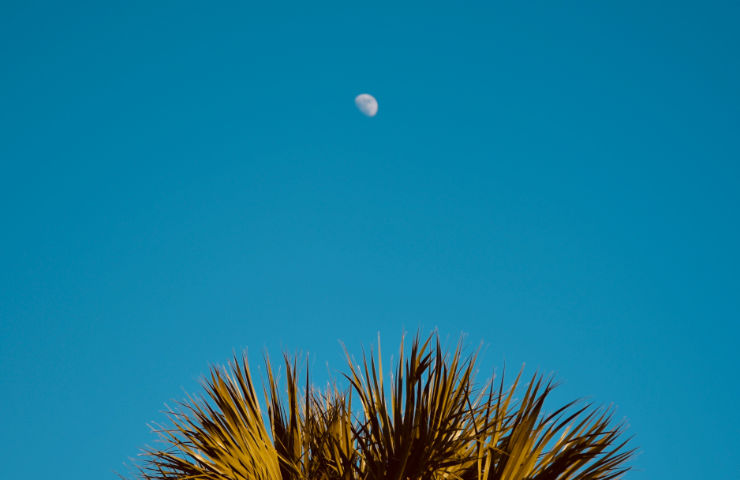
179,180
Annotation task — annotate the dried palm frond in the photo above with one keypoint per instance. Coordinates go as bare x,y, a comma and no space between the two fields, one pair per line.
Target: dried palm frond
429,422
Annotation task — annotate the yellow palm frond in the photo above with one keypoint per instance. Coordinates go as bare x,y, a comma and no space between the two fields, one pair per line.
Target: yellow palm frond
428,422
224,438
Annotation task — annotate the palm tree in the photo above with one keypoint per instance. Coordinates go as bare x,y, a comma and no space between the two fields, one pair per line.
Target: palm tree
429,422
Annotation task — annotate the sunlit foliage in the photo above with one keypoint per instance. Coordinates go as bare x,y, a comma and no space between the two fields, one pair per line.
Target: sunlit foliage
428,421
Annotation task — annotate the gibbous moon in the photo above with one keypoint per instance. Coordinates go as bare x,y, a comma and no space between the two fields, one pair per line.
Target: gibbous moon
367,104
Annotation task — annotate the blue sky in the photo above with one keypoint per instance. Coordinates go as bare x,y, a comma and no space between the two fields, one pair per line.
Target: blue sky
180,180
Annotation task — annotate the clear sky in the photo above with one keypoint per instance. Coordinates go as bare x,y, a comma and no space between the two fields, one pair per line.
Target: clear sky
180,180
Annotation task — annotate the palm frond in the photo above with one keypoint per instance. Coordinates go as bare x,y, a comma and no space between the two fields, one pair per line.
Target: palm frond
224,438
426,429
287,427
429,421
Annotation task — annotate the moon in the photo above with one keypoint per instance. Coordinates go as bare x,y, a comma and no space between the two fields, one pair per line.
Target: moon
366,104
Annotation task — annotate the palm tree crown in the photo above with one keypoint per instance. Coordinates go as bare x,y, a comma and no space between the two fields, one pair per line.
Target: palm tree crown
428,422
